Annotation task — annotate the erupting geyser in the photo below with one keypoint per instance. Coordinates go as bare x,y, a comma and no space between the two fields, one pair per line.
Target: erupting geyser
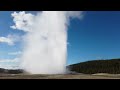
45,41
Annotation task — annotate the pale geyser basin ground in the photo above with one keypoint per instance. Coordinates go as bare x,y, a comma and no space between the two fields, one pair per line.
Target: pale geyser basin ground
60,76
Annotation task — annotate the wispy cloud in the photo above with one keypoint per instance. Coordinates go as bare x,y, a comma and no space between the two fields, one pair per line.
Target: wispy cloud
15,53
10,63
6,40
9,60
74,14
10,39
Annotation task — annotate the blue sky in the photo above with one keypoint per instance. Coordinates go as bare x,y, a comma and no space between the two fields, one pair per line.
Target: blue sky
95,36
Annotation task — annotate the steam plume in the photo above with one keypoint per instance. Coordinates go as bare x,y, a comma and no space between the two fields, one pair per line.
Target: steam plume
45,42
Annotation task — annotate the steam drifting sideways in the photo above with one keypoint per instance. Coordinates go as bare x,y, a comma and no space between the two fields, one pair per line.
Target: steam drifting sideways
45,41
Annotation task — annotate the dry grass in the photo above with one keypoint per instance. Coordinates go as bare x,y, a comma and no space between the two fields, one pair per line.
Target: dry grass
67,76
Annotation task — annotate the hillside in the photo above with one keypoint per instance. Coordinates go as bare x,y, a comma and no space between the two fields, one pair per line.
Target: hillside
10,71
111,66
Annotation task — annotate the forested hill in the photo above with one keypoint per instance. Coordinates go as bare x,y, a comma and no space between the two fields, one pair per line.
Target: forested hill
111,66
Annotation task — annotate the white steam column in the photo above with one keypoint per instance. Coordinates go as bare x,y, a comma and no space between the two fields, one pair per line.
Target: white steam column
45,41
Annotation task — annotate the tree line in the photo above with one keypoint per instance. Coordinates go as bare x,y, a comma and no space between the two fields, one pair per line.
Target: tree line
11,71
111,66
